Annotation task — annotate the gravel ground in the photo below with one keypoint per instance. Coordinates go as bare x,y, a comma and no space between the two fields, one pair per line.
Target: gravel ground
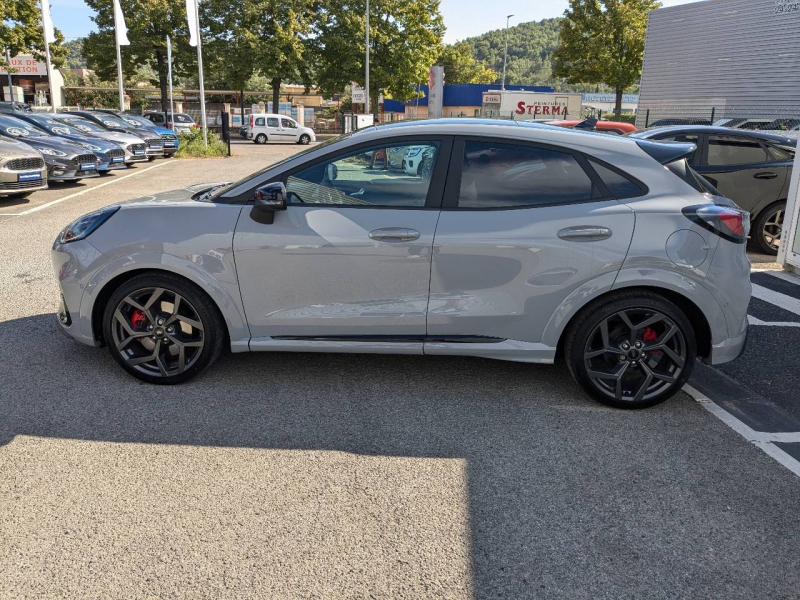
314,476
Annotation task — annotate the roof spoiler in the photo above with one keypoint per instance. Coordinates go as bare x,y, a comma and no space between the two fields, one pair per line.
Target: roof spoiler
667,152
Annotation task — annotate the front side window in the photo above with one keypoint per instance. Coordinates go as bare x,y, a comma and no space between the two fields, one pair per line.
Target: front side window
510,176
272,121
377,176
731,150
259,121
288,123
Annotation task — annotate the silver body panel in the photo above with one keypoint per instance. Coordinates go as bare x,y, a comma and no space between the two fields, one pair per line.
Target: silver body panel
492,283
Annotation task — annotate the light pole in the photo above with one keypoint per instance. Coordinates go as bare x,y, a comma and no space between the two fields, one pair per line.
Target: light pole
10,86
505,54
366,74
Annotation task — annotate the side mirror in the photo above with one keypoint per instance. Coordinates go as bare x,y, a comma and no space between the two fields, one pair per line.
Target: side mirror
332,172
268,199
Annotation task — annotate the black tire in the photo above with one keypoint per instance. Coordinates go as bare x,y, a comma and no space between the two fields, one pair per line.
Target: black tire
304,140
212,331
769,220
151,158
644,379
261,138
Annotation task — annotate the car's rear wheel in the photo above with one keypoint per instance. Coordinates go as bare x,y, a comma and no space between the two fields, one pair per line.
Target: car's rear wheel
632,351
261,138
304,139
768,228
162,329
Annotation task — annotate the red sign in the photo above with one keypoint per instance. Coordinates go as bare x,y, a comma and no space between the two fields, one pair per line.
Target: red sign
559,110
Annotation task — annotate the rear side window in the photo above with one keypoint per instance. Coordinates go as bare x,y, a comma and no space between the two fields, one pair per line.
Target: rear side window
732,150
619,185
497,175
259,121
272,122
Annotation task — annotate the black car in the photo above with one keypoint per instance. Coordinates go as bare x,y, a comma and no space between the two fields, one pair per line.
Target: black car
65,161
752,168
154,144
111,154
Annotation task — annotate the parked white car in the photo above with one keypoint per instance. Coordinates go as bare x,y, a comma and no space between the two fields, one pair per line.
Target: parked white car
278,128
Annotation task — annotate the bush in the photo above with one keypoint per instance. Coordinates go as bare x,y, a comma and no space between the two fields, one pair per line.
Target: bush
191,145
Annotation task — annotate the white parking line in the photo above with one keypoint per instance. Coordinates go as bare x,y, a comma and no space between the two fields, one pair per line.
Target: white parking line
765,441
755,321
785,276
780,300
82,192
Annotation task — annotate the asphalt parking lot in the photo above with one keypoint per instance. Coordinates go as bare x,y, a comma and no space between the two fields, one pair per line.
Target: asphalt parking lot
352,476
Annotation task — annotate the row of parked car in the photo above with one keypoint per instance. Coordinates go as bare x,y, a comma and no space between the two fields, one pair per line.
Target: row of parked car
747,160
37,149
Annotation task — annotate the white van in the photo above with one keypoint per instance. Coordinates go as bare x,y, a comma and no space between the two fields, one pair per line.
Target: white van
278,128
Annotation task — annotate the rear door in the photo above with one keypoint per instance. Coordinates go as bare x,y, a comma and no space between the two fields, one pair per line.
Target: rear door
742,169
522,226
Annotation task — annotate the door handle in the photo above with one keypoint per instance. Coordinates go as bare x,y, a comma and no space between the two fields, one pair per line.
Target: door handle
585,233
765,175
394,234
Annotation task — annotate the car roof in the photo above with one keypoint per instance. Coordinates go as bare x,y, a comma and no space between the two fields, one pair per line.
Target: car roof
714,129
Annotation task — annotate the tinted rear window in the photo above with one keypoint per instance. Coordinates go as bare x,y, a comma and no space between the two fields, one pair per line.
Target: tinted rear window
731,150
619,185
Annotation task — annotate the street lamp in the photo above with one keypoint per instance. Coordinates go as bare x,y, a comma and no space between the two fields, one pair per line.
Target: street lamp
505,54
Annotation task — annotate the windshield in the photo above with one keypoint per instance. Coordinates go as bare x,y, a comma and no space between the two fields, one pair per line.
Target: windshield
222,189
137,121
81,124
111,120
17,128
55,127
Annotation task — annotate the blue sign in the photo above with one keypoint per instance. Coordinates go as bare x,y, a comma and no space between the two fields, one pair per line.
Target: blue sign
30,176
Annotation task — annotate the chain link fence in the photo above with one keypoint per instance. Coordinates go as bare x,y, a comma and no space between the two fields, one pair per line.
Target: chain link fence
772,119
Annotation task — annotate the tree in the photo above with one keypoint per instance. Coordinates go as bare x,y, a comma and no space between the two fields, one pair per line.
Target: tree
460,65
405,40
149,22
74,59
21,30
602,41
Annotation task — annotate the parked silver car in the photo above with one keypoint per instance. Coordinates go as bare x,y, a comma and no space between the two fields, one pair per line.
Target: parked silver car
526,243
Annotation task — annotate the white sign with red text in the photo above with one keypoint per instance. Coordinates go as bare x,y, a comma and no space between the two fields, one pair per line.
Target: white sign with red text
25,65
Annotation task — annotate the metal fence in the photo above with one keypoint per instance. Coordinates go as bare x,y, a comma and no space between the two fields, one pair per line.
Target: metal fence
740,117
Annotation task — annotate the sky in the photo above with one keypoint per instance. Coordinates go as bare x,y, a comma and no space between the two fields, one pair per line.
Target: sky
463,18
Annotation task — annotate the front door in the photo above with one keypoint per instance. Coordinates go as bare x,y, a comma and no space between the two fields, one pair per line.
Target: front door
522,227
349,259
742,169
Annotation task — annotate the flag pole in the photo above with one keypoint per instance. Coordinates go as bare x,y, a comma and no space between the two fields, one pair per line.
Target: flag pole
169,69
119,65
47,29
200,74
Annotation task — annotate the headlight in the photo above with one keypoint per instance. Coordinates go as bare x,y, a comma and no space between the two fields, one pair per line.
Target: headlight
414,151
51,152
85,225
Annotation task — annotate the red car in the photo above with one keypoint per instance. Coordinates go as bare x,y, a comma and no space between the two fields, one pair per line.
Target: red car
612,127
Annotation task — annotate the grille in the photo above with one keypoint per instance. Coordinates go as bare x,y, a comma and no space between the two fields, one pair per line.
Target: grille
115,152
21,185
84,159
23,164
134,147
153,142
168,137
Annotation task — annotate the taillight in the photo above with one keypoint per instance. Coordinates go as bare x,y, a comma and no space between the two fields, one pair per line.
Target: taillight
728,223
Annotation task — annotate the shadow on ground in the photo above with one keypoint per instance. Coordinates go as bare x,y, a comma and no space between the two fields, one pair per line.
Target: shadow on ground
566,498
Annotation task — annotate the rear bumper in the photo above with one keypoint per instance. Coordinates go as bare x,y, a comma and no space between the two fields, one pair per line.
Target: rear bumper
729,349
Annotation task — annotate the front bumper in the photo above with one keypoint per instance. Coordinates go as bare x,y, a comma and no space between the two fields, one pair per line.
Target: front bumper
74,263
63,173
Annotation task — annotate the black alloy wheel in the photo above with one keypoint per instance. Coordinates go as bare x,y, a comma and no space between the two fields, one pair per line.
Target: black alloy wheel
768,228
633,352
162,329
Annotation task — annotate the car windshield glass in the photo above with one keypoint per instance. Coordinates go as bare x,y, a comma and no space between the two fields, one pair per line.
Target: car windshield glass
225,188
179,118
56,127
112,121
81,124
137,121
17,128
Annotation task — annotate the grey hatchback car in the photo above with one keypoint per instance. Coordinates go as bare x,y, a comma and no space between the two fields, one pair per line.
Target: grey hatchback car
524,242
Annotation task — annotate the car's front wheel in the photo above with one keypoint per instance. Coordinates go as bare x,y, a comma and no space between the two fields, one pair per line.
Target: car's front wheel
768,228
304,139
261,139
162,329
631,351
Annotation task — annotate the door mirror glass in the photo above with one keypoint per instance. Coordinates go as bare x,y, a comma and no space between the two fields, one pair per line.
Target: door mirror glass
332,172
268,199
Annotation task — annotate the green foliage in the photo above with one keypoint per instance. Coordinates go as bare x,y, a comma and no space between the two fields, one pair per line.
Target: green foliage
190,145
21,30
74,59
603,41
405,40
460,65
530,46
148,22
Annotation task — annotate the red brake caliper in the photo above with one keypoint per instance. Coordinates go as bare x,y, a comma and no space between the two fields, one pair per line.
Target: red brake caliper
649,335
138,320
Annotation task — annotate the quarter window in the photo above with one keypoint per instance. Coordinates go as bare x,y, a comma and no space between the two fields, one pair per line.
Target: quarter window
509,176
731,150
272,121
618,185
397,175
